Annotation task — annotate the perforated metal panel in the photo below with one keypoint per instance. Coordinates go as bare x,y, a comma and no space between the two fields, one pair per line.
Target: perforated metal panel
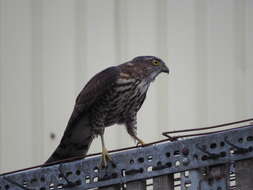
208,162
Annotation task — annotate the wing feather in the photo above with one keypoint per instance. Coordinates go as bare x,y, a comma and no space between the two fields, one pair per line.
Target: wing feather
94,89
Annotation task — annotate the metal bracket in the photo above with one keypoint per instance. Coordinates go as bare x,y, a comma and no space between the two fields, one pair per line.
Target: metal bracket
205,178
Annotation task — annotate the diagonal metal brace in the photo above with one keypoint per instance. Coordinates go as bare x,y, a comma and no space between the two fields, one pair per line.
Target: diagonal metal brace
239,150
69,184
212,156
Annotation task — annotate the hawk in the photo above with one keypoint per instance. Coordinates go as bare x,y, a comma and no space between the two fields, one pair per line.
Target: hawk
113,96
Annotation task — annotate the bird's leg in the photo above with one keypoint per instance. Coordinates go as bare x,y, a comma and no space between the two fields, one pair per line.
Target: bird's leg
139,141
132,131
105,155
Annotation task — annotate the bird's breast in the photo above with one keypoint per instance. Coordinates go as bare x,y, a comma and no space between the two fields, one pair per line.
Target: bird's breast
127,96
123,99
129,89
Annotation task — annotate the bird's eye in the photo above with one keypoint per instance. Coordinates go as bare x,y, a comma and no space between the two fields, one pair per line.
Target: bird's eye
156,62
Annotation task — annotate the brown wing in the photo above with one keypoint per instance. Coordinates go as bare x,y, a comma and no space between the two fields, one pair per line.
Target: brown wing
95,88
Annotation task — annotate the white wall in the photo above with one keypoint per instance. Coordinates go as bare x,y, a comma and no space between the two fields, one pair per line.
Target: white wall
50,48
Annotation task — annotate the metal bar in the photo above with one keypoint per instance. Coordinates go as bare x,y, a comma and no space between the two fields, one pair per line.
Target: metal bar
174,138
140,163
165,182
243,173
136,185
210,127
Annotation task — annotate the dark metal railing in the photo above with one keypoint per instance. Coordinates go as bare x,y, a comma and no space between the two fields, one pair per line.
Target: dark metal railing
219,160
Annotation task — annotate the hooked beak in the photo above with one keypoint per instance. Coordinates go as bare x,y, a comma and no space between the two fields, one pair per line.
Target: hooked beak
165,69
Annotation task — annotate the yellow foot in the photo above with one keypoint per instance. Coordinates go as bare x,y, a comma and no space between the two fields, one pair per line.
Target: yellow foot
105,158
140,142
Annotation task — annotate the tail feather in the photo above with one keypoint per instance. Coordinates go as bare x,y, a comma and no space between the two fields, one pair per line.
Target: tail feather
75,142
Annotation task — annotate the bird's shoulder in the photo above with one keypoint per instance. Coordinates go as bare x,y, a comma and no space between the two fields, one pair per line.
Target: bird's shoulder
94,89
98,84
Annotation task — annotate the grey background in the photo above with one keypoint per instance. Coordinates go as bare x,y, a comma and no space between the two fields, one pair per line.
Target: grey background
49,49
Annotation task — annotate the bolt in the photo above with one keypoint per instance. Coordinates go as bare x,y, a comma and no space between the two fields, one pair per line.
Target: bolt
185,161
185,151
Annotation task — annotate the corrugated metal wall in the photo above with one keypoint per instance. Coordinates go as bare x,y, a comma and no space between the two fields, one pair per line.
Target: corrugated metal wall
50,49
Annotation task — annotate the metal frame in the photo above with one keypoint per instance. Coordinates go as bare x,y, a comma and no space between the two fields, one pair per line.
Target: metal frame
206,158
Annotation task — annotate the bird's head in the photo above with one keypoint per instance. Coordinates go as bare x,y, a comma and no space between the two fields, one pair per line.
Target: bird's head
148,67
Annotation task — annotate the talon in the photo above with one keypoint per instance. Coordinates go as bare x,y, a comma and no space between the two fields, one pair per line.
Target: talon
140,142
105,158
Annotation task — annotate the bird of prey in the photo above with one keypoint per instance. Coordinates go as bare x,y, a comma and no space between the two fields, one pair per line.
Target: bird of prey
112,96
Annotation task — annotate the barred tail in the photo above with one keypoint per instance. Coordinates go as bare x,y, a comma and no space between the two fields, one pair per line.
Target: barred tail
75,142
